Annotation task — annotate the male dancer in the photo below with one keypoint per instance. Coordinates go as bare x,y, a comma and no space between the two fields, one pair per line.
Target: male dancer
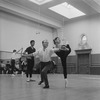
30,61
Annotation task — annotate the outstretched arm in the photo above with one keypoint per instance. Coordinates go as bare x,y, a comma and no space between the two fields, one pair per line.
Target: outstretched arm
27,55
30,55
55,49
68,46
19,50
64,47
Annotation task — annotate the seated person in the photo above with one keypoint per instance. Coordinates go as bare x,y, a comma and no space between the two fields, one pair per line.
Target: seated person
3,67
8,67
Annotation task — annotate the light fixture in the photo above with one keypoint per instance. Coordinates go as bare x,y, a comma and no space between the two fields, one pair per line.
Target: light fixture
40,2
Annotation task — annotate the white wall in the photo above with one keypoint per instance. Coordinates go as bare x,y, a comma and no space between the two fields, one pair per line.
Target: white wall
16,32
90,26
0,32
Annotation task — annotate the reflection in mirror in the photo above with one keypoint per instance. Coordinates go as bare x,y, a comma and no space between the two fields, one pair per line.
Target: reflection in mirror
83,42
83,39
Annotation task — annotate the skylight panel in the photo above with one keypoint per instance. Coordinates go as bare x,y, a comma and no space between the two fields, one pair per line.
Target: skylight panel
40,2
67,10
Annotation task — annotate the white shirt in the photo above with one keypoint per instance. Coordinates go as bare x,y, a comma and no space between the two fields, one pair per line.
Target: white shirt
3,65
44,56
14,56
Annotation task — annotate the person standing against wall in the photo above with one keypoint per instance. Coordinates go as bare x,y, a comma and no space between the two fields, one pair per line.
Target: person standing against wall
13,59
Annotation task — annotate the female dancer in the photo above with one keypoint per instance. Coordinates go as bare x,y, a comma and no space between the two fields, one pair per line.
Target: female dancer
62,53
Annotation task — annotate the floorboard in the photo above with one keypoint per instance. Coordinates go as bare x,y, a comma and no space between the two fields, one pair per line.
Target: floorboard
80,87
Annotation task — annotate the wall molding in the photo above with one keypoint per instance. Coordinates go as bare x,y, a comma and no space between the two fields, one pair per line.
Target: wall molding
29,14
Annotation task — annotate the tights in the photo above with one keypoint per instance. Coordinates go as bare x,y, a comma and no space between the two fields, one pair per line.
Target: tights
63,56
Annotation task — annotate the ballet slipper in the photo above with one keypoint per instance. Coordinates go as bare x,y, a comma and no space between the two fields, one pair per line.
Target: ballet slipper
28,80
66,83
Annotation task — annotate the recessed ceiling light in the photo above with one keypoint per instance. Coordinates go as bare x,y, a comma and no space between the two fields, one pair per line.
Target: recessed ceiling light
67,10
40,2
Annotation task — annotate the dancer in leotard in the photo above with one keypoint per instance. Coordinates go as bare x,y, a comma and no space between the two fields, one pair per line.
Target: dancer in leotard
62,53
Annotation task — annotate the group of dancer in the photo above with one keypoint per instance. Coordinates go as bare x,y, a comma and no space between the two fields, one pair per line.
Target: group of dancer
62,50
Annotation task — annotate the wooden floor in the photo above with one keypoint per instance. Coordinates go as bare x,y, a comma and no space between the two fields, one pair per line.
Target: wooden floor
80,87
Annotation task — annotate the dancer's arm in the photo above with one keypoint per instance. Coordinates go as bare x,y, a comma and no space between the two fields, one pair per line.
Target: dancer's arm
18,50
64,47
69,48
31,54
55,49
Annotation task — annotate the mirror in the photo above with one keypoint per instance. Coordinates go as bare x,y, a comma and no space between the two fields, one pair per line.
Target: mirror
83,39
83,42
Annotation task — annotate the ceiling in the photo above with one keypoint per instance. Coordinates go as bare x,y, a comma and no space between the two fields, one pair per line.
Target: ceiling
89,7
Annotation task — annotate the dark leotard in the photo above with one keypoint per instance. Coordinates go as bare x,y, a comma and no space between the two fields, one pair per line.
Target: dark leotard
63,56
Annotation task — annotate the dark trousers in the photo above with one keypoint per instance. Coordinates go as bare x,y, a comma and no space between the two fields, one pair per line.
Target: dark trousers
23,67
30,65
45,66
12,66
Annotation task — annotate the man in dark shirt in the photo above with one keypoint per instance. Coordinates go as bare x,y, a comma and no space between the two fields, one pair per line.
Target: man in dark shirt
30,61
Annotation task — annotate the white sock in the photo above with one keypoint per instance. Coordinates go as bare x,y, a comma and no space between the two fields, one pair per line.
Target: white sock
28,79
66,82
66,79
